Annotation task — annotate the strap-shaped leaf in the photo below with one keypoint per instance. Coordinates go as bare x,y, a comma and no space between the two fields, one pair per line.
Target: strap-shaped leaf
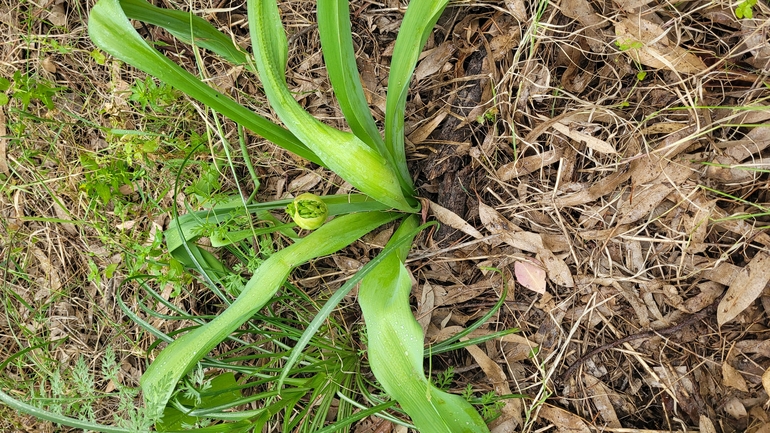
186,27
159,381
420,17
342,152
395,342
189,226
340,58
110,29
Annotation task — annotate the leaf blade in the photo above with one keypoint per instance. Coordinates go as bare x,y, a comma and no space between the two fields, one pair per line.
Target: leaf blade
395,349
110,30
343,152
337,45
420,17
159,381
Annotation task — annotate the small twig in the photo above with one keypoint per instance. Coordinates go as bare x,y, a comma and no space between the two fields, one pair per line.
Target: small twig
647,334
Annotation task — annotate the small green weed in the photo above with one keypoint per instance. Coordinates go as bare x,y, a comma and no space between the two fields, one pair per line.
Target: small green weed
629,44
27,89
148,94
745,9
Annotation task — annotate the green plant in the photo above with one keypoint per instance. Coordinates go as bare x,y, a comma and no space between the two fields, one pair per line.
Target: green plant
744,9
375,166
27,89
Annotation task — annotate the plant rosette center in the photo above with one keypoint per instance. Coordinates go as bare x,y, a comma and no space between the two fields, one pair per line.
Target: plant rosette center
308,211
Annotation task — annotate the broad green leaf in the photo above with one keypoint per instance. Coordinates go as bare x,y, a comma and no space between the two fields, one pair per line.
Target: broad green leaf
340,58
420,17
187,27
396,348
160,379
393,247
342,152
189,226
110,29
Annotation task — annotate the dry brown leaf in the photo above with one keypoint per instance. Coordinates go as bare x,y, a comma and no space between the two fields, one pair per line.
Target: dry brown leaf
435,60
663,128
603,235
709,292
696,224
600,396
527,165
347,264
646,169
756,41
601,188
422,132
444,333
126,225
741,227
563,420
722,272
647,43
535,83
761,347
575,79
631,5
753,113
517,9
642,204
503,44
754,142
53,283
558,271
766,381
582,11
62,214
305,182
747,286
446,216
425,306
732,377
632,296
517,348
495,373
737,163
48,65
635,260
735,408
494,221
526,241
57,16
555,242
591,142
530,276
706,426
460,293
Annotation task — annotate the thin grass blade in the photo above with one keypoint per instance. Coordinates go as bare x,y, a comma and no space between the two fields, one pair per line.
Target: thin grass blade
110,29
396,348
420,17
159,381
343,152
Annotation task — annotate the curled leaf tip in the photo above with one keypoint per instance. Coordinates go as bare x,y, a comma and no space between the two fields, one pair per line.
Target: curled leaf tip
308,211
